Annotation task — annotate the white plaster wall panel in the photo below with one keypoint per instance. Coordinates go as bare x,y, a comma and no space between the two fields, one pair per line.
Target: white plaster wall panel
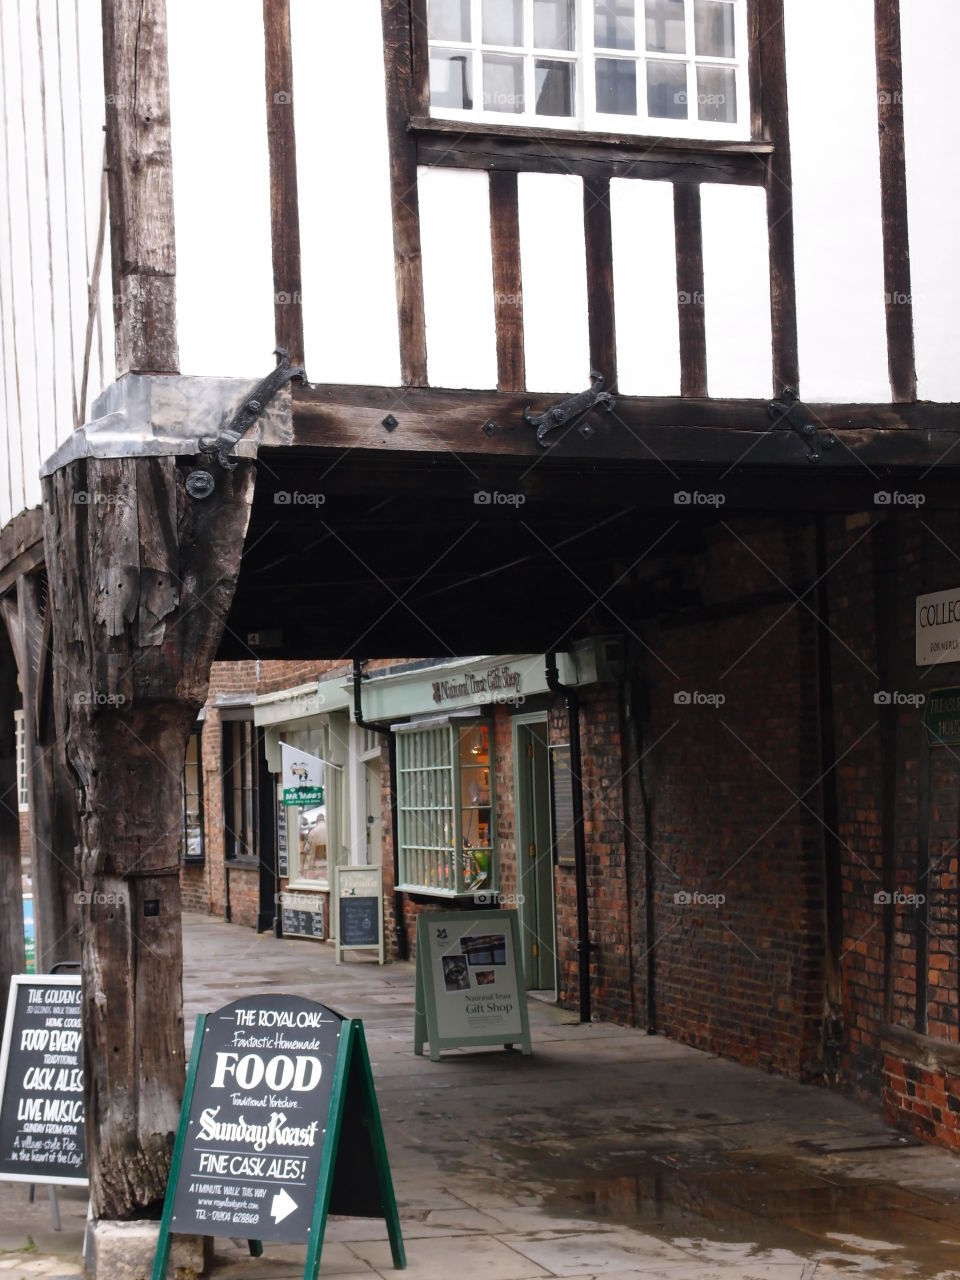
736,287
221,188
57,225
343,178
554,271
458,278
80,241
24,433
932,135
645,287
89,44
832,88
42,441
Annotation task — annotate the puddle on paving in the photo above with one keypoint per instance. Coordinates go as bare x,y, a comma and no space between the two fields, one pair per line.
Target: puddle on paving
770,1210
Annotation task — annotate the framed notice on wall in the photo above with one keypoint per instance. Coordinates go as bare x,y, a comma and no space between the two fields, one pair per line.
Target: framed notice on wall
468,988
561,807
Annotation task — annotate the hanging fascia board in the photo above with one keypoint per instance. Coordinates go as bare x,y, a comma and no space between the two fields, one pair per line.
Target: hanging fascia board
389,698
301,703
145,415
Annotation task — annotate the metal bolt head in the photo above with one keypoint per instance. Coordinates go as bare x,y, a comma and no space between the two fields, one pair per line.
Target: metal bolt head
200,484
489,427
390,422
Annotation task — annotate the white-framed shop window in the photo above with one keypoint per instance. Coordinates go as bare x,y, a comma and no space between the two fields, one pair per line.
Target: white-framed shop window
315,840
446,808
667,68
23,795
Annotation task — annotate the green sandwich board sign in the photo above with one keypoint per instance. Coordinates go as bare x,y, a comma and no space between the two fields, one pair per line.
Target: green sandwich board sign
469,989
279,1127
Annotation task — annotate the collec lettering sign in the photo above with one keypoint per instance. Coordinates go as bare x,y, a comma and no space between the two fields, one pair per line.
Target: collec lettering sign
938,627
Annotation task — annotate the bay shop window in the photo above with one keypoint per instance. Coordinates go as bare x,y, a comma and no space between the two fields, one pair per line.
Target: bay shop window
446,807
674,68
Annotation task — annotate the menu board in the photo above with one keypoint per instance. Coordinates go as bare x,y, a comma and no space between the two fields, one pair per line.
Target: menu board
41,1082
258,1120
561,806
304,924
283,856
359,897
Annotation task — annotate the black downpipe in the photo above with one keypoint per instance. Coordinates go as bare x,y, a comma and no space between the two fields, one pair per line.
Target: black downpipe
579,844
401,933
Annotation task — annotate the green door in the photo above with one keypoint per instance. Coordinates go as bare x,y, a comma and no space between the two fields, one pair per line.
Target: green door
534,860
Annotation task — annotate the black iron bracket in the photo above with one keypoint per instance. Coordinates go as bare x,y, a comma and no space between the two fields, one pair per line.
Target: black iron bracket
791,410
251,409
576,407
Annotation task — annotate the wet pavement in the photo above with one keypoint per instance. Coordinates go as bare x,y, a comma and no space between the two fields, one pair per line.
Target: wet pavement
607,1153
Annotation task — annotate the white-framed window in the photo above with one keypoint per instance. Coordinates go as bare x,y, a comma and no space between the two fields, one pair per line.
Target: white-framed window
446,808
23,795
668,68
315,834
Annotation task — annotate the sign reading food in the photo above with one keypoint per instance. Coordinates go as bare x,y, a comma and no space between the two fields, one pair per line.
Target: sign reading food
257,1120
41,1082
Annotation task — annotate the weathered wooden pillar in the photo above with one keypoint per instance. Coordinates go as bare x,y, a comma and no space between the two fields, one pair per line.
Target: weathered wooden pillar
11,897
141,578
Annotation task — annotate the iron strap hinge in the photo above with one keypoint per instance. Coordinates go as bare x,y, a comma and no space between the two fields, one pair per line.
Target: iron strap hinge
576,407
251,409
791,410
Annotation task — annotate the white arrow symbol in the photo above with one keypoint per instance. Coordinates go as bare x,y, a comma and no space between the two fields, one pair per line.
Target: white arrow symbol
283,1205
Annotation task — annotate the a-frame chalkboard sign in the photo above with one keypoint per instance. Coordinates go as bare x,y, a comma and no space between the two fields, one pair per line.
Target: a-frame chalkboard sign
279,1128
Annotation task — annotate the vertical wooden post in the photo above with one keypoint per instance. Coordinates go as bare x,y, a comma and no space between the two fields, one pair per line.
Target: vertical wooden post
140,182
507,280
901,356
11,898
690,300
284,202
770,70
599,241
141,578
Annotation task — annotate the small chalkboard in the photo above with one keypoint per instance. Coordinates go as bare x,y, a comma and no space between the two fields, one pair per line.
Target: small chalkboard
359,898
279,1127
41,1082
304,924
561,807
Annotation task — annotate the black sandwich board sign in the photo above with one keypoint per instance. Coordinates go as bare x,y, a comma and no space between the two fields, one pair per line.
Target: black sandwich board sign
469,983
279,1127
41,1082
359,898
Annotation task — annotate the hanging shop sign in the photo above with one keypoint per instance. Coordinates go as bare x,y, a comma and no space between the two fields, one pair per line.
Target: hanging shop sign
299,921
358,894
302,777
468,990
279,1127
938,628
41,1082
942,717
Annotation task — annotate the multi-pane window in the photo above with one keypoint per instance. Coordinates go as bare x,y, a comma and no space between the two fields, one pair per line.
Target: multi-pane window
445,808
240,789
193,800
666,67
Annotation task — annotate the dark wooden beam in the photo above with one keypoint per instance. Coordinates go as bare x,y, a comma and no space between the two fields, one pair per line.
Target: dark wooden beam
140,179
11,874
779,184
599,243
284,204
901,355
690,301
404,198
709,432
507,281
463,145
